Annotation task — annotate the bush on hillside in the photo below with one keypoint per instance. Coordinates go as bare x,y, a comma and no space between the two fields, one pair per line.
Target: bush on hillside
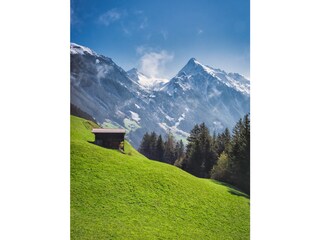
220,170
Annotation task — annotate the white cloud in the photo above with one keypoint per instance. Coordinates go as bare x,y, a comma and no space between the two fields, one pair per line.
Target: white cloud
111,16
152,63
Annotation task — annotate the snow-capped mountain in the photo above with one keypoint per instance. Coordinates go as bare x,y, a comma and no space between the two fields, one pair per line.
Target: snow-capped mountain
148,83
189,76
104,90
198,93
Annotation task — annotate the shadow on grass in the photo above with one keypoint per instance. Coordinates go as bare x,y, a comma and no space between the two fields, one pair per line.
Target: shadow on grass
237,193
232,189
93,142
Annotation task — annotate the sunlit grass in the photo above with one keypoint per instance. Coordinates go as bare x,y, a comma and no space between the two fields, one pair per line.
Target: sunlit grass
127,196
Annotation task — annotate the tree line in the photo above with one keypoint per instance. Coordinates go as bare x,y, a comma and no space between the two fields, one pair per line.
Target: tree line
166,150
224,156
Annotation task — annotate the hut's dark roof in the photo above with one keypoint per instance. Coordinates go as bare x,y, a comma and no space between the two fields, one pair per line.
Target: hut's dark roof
108,130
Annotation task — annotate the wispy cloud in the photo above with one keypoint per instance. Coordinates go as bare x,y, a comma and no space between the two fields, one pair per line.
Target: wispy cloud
200,31
111,16
141,50
137,12
164,34
152,63
74,19
130,22
143,23
126,30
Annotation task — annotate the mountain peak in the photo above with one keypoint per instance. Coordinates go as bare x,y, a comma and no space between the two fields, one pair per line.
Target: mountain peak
196,71
193,61
192,66
78,49
133,70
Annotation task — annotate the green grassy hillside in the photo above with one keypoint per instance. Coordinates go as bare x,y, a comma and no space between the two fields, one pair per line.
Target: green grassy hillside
127,196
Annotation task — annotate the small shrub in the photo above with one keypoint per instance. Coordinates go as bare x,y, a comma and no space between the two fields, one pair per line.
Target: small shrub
220,171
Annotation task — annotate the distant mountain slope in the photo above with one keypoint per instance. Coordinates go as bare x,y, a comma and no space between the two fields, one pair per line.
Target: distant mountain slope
127,196
75,111
116,98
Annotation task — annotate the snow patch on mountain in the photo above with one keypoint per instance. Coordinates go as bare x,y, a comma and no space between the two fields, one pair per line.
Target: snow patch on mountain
232,80
215,93
182,117
102,71
137,106
178,133
149,83
135,116
78,49
169,118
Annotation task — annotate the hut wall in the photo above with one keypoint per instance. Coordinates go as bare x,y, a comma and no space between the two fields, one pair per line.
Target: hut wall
109,140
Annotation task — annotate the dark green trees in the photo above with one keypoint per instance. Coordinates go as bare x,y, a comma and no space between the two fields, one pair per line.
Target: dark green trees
239,155
179,151
160,149
145,146
169,154
200,155
224,156
233,165
168,151
222,141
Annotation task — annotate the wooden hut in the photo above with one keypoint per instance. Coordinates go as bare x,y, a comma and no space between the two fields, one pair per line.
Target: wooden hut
109,137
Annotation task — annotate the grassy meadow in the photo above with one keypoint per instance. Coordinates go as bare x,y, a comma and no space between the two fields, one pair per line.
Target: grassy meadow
127,196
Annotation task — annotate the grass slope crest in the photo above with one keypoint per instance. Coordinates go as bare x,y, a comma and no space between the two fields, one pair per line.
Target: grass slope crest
127,196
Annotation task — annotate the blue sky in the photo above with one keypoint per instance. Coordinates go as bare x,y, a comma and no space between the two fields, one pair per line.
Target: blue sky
159,37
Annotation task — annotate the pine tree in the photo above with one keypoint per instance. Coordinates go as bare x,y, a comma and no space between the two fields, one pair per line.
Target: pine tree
153,146
200,155
179,154
226,139
160,149
145,145
222,142
192,140
245,161
239,156
179,150
176,151
214,139
209,157
235,154
233,165
169,145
